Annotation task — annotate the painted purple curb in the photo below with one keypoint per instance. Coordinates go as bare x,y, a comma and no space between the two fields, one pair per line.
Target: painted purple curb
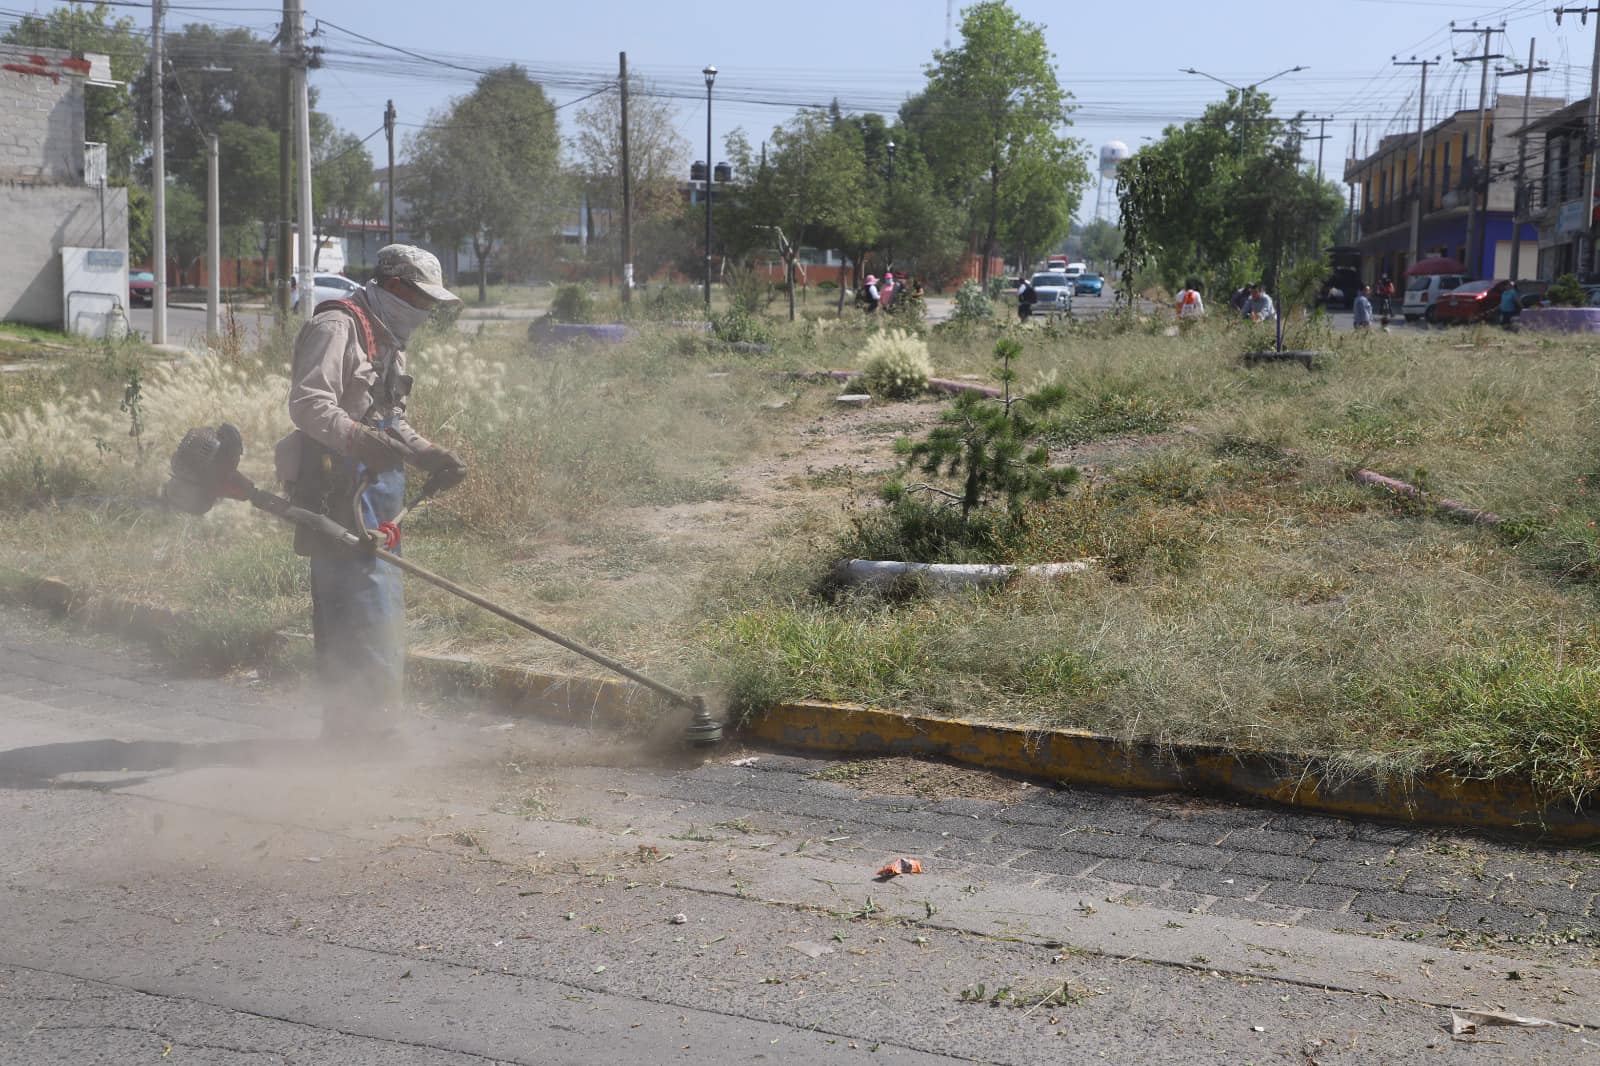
544,331
1560,320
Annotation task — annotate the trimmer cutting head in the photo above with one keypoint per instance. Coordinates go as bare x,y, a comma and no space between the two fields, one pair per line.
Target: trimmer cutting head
205,467
703,731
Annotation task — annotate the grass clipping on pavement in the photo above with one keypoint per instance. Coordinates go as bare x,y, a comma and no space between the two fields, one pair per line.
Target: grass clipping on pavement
1246,591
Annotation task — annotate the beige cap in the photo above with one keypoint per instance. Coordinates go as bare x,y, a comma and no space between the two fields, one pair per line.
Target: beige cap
416,265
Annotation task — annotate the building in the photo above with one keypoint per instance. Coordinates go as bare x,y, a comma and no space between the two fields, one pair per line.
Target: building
1386,183
53,191
1553,192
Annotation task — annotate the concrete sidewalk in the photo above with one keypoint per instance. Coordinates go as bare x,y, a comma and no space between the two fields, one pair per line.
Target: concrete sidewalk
510,893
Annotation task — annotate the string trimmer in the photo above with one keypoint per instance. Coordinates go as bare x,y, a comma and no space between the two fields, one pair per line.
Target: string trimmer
205,468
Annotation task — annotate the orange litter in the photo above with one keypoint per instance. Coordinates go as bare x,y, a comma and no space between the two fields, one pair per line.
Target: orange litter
899,866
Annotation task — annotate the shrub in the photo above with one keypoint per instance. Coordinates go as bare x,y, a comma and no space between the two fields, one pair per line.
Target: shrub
990,446
996,287
572,303
895,365
738,326
972,303
1567,291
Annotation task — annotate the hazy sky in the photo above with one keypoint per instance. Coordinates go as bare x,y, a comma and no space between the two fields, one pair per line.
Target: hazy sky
1120,60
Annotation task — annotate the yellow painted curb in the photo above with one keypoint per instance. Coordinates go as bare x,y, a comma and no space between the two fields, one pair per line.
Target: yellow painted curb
1437,797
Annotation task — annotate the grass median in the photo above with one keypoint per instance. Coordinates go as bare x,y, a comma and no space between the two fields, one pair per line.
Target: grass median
682,505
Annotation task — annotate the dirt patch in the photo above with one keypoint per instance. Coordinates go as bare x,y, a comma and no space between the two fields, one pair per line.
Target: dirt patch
901,776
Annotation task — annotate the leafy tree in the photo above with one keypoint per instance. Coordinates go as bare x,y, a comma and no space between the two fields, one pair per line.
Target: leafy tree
816,190
486,169
341,180
109,112
186,226
1101,242
1038,203
991,112
657,160
214,76
1222,198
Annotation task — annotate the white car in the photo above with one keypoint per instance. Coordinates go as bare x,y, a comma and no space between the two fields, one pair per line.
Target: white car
1052,294
329,287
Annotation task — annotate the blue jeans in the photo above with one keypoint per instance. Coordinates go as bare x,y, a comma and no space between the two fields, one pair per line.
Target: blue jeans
358,622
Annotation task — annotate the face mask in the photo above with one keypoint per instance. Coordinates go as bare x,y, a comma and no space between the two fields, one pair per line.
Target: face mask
399,317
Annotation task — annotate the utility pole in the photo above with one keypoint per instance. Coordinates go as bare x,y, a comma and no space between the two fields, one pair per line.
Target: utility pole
280,289
1316,220
158,180
302,130
1480,176
1522,157
627,184
1422,118
388,127
213,240
1590,129
1350,216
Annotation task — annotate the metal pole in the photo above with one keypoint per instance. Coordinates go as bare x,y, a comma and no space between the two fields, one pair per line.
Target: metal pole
1475,221
280,284
302,115
711,74
1422,118
627,184
1590,131
213,240
891,147
1522,160
388,126
158,181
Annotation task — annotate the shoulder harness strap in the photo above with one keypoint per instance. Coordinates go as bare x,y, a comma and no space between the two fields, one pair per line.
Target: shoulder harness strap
369,341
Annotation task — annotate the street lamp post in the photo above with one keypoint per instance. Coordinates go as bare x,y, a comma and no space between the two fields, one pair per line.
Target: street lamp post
891,147
711,76
1241,88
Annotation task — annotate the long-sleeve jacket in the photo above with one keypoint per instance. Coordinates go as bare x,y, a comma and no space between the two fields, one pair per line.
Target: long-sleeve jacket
334,385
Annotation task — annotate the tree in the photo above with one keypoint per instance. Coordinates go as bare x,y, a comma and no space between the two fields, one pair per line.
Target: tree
341,180
1223,198
991,111
657,163
815,190
1039,202
487,169
1102,242
214,76
186,226
110,116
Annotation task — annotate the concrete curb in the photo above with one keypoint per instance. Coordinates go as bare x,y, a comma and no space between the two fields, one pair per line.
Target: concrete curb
1435,797
1067,757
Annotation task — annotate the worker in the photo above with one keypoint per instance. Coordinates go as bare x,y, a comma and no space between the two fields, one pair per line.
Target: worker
1190,305
1258,308
346,459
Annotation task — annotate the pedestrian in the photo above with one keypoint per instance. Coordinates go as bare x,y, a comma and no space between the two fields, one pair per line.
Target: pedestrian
346,459
1385,299
867,296
1361,317
1258,308
886,291
1026,298
1190,305
1510,305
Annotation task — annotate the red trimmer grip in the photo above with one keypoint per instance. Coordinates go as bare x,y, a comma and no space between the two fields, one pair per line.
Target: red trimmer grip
391,535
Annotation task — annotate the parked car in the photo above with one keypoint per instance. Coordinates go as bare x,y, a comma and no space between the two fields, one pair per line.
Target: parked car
141,289
1423,290
1089,284
328,287
1473,301
1052,293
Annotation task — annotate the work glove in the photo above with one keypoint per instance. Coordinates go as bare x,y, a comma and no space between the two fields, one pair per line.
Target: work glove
444,467
375,449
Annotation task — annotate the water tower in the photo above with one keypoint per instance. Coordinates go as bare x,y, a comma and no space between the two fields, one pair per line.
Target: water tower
1112,155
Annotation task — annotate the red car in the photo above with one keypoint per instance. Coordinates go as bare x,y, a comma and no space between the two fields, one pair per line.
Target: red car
142,288
1474,301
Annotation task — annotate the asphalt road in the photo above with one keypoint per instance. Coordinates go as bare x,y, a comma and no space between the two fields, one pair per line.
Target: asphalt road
231,892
